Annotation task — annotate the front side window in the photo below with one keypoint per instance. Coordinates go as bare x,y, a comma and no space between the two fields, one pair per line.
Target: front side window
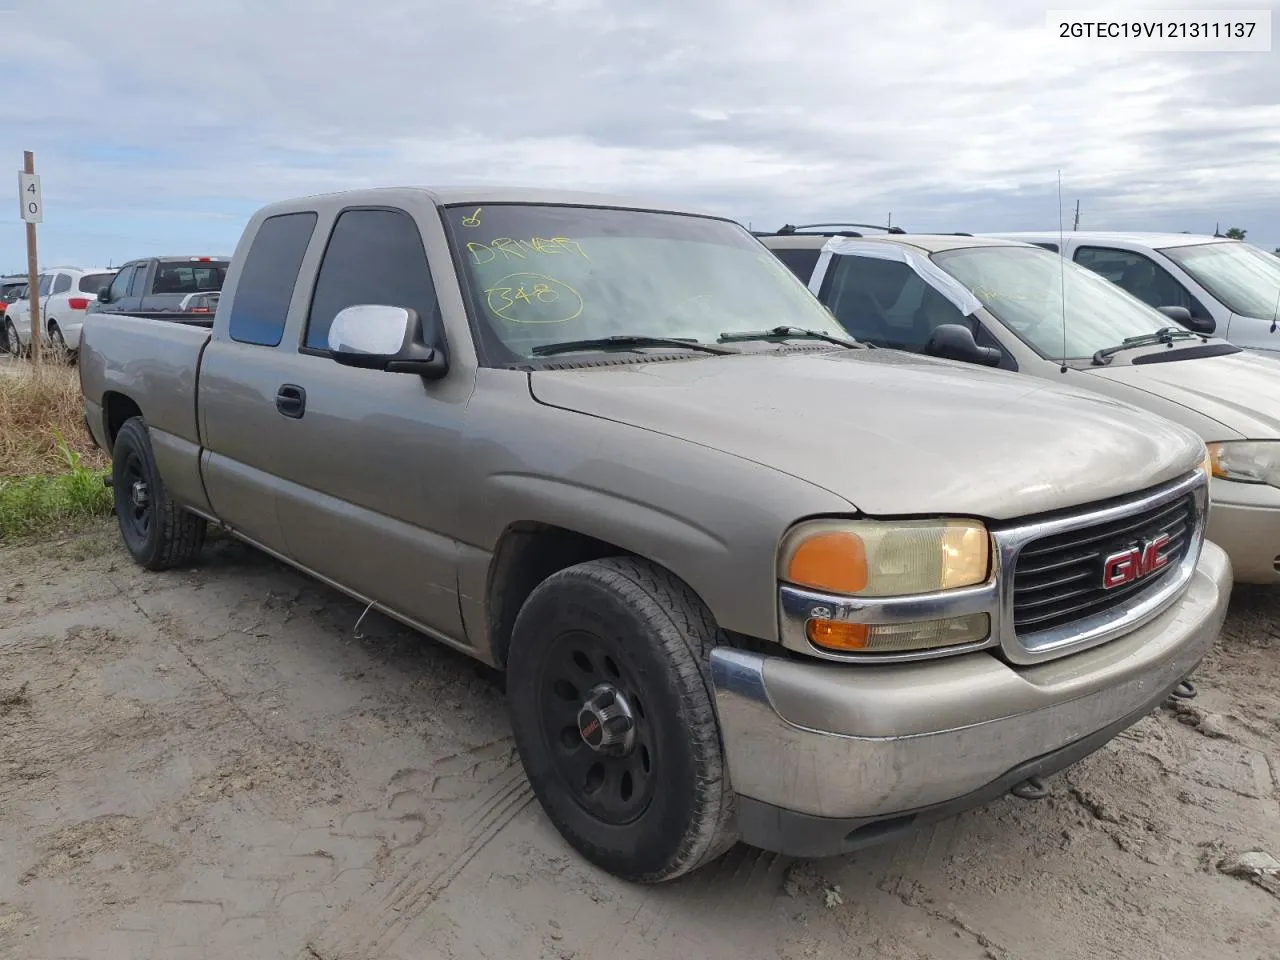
885,302
120,285
373,256
1238,274
799,260
1141,276
139,286
62,284
261,303
1024,287
549,274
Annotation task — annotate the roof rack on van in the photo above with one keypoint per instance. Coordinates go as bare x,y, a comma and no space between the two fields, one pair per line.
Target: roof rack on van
822,229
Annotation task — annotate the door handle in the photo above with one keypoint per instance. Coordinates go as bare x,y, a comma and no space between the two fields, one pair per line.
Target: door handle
291,401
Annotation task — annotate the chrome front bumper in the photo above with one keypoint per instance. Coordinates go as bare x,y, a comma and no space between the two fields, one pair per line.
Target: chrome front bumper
820,752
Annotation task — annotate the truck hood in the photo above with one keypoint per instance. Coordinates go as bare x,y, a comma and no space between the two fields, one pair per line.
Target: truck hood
891,432
1241,390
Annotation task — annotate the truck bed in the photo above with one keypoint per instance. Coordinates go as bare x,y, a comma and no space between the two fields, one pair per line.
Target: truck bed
154,364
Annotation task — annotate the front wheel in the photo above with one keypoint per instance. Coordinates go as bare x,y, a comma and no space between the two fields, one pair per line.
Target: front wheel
13,346
614,719
157,532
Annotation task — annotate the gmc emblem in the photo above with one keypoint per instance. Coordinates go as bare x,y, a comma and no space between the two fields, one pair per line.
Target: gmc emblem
1126,566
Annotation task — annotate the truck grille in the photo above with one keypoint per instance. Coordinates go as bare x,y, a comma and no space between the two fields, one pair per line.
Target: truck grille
1058,578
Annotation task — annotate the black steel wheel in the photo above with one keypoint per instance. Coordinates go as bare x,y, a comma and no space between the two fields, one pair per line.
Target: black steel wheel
157,532
594,726
613,717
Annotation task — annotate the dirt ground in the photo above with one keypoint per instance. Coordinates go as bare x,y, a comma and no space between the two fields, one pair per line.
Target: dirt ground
214,764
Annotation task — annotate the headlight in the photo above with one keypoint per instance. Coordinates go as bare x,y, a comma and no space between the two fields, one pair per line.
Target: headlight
888,559
869,558
1246,461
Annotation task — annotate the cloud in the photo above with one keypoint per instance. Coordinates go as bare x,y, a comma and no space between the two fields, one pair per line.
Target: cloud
163,125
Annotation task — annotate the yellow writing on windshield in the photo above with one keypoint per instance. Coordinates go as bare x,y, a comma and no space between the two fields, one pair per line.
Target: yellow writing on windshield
987,294
510,249
533,298
472,219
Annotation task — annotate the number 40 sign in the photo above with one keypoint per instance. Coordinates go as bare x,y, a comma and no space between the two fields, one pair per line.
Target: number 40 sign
29,194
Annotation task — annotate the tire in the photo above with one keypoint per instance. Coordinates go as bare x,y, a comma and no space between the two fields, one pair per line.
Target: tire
634,627
57,343
12,344
157,533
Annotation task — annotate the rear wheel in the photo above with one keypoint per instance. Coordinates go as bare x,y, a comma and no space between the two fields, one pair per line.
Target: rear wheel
56,342
614,720
157,533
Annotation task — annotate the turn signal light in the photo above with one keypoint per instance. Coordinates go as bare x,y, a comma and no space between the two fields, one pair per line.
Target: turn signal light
842,636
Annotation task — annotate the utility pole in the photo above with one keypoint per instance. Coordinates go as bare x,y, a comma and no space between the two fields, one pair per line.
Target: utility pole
1075,225
32,203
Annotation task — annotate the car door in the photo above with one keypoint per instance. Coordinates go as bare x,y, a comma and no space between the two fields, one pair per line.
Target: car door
366,457
118,291
240,371
56,301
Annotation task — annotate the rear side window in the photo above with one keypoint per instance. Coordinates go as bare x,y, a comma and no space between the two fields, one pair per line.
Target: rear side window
62,284
374,256
800,261
261,302
92,283
43,288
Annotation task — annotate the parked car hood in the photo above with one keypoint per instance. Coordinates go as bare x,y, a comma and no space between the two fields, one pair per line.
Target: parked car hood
1240,390
892,432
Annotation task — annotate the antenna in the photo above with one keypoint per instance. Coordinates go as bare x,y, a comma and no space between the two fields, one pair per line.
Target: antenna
1062,274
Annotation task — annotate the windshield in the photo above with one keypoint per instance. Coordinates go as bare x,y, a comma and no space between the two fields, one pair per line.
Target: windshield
1238,274
1023,288
92,283
550,274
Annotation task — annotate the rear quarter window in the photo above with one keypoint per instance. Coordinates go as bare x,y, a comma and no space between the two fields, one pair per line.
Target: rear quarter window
260,305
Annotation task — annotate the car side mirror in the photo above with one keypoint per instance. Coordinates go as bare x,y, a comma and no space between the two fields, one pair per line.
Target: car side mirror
954,341
380,337
104,295
1183,316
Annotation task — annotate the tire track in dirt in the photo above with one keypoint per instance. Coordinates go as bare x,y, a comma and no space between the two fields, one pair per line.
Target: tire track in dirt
373,925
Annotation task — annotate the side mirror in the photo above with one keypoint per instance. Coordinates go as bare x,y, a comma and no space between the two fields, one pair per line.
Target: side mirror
954,341
104,295
1183,316
379,337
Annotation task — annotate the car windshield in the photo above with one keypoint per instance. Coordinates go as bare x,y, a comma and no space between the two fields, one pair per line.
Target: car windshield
1024,288
547,274
1240,275
93,283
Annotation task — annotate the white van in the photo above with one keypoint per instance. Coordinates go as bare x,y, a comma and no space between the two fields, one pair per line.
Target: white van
1232,283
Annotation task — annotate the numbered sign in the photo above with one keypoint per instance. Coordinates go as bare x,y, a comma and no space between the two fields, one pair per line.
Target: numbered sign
29,195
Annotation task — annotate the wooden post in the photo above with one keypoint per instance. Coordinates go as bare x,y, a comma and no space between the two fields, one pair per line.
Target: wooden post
33,273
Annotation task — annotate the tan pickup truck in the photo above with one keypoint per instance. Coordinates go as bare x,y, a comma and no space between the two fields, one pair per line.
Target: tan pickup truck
748,579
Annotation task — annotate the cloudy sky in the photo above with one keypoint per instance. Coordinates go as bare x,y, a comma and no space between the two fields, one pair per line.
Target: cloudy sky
158,126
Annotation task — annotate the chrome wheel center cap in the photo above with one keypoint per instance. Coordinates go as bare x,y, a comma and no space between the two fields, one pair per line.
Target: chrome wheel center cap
606,722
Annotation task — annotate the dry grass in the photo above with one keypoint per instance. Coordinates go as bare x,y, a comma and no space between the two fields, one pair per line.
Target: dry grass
36,418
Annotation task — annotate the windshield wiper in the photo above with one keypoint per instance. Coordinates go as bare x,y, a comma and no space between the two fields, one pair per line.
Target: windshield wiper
623,342
791,333
1163,335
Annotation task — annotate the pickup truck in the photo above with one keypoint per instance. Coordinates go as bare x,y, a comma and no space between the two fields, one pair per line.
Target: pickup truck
747,578
162,287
